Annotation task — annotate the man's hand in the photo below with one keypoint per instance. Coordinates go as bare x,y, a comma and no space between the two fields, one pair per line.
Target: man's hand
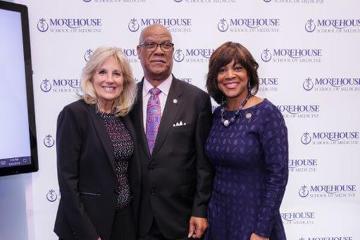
197,227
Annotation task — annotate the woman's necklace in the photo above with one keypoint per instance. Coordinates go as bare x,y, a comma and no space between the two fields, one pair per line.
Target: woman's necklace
227,122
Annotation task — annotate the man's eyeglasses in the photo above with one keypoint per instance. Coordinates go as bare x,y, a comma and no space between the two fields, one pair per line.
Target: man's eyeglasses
151,46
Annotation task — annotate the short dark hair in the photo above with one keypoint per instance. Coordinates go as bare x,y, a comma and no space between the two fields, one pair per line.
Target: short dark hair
222,56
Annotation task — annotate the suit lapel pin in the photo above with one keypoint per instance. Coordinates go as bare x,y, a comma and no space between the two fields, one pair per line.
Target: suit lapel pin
175,101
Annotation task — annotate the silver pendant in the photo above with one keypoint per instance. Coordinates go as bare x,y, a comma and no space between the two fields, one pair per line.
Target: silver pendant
226,123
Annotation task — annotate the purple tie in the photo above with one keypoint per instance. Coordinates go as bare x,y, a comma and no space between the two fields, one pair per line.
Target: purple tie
153,116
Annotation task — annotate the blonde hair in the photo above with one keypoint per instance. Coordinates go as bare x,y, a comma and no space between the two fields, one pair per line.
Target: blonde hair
123,104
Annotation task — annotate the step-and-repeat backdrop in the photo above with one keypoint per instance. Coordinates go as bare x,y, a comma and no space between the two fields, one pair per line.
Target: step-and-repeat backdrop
308,52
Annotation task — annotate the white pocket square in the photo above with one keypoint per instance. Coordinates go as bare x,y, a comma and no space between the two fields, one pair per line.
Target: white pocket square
179,124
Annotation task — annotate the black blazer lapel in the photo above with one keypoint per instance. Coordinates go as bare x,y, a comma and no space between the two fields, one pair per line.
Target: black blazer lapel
130,127
138,117
103,136
134,170
172,106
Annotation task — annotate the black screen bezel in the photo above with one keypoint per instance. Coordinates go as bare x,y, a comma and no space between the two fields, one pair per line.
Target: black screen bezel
33,167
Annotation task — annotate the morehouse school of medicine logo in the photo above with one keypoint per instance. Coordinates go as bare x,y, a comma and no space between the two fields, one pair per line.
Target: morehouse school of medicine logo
172,24
328,191
206,1
327,138
87,54
193,55
45,85
303,165
179,55
133,25
296,1
49,141
70,25
327,237
223,25
42,25
268,84
300,110
292,55
51,195
305,217
130,54
60,85
249,25
310,25
330,84
332,25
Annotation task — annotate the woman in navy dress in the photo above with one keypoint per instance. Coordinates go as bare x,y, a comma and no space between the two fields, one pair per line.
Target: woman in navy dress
248,147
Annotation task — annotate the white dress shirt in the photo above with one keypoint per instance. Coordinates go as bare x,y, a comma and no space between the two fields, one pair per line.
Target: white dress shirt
164,88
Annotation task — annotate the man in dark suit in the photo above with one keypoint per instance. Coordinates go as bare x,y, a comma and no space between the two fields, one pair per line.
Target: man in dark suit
177,176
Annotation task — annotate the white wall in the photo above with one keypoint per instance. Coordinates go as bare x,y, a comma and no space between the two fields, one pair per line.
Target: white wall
311,71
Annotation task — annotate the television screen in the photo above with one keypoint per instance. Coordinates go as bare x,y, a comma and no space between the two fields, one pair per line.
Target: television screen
18,148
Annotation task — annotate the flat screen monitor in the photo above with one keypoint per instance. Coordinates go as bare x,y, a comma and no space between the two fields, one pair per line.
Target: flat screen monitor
18,147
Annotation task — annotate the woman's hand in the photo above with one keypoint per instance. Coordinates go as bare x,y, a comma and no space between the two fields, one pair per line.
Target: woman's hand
254,236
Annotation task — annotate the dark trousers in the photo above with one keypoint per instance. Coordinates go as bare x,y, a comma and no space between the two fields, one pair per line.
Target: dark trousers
155,234
123,226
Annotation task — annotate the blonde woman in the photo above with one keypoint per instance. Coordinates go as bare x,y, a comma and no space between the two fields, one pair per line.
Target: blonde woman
97,165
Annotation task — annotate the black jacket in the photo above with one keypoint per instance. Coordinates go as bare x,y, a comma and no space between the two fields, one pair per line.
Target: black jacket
86,174
177,177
